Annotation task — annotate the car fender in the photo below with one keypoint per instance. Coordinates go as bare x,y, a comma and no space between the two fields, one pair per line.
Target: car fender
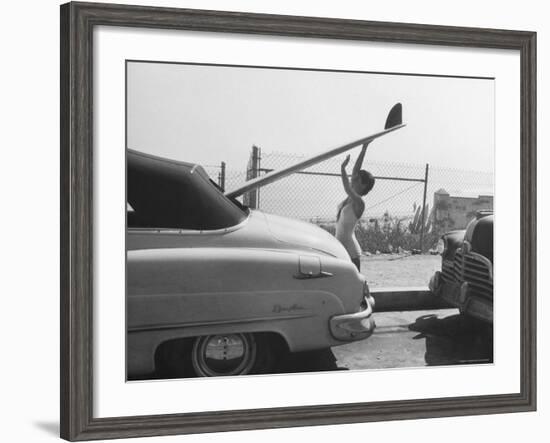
187,292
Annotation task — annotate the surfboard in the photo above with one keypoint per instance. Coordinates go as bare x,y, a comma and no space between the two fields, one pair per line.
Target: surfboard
393,123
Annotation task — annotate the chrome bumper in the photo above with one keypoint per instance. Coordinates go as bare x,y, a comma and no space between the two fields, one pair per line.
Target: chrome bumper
458,294
356,326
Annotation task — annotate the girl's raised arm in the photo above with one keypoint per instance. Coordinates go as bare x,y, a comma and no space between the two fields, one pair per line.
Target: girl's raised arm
359,161
355,197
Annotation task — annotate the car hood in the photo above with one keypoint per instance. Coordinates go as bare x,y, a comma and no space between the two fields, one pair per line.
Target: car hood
258,231
304,235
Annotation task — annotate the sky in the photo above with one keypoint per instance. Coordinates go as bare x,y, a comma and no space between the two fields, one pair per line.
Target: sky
209,114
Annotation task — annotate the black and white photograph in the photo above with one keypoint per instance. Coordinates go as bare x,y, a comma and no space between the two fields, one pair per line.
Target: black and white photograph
280,220
285,220
240,221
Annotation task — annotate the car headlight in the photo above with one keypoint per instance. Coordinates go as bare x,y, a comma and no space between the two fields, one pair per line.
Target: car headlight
441,247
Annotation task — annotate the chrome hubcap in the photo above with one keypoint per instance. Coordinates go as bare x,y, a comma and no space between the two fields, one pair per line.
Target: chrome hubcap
227,354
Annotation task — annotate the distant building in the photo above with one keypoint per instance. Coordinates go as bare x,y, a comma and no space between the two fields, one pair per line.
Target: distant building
453,212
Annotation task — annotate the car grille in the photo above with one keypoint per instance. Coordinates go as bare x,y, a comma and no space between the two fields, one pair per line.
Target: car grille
472,268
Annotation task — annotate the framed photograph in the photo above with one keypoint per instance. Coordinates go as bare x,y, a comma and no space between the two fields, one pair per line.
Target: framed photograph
272,221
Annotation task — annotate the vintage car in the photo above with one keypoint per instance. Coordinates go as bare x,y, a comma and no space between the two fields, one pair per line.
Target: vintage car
466,277
214,288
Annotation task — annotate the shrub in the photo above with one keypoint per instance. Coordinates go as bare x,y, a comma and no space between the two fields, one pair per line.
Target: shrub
388,234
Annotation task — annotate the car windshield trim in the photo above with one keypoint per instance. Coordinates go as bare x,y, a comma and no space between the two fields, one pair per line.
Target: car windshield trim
179,231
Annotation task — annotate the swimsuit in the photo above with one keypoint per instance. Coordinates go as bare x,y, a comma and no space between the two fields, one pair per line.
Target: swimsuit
345,230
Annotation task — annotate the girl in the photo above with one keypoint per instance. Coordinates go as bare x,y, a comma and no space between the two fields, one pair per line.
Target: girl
352,208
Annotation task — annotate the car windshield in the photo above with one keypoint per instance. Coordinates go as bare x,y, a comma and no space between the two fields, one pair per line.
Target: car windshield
168,194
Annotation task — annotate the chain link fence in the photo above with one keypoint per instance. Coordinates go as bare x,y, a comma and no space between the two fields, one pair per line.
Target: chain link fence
226,178
408,209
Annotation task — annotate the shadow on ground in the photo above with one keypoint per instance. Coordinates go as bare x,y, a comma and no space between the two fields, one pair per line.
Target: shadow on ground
311,361
454,340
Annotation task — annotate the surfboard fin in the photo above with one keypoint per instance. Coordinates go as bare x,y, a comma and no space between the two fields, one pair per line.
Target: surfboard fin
395,116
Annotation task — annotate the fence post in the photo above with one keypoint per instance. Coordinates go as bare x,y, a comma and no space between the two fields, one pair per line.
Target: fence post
250,199
221,176
422,226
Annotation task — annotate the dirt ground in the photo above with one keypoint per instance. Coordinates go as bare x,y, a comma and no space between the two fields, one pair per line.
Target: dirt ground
405,340
394,270
419,338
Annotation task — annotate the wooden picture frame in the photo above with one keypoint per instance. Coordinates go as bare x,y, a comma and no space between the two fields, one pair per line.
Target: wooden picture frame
77,23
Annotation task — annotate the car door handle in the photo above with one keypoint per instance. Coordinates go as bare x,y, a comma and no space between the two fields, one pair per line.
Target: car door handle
311,275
